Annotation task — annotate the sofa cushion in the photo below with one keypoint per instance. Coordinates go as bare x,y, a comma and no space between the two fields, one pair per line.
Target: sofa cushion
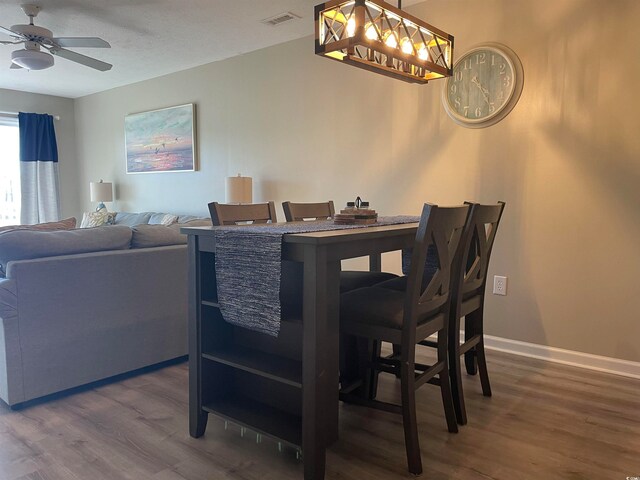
145,236
132,219
66,224
98,218
28,244
162,219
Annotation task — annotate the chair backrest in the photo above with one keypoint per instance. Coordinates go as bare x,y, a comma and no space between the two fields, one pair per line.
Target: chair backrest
296,212
232,214
475,249
440,228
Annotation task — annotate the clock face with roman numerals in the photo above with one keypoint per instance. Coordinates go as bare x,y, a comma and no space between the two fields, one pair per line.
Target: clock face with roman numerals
485,86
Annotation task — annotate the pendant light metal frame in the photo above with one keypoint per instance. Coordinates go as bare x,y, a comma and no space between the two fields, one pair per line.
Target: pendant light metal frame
357,32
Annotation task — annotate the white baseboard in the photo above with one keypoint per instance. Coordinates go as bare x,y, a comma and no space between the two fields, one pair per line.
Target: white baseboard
599,363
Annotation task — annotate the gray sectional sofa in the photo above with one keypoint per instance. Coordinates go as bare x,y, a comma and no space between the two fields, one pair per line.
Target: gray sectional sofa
82,305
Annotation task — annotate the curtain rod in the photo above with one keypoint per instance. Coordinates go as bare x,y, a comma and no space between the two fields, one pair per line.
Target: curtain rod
15,115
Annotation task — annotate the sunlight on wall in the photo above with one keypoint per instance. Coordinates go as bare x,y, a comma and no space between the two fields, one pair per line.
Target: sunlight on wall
9,175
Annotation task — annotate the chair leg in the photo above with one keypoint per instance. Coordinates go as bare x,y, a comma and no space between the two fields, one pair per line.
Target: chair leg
470,329
447,400
455,374
396,353
445,386
470,362
353,361
356,355
455,371
482,368
374,347
409,419
348,359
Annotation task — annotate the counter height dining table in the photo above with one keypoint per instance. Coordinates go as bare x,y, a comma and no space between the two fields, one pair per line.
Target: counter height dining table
283,386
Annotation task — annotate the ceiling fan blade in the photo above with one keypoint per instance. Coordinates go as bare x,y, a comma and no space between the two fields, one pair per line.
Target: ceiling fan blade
81,59
11,33
76,42
15,66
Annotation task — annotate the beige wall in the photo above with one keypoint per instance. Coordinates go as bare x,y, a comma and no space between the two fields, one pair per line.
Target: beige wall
566,160
13,101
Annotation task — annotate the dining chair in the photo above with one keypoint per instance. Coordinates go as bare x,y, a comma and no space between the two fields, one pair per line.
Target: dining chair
349,279
297,212
467,300
468,292
232,214
406,318
468,287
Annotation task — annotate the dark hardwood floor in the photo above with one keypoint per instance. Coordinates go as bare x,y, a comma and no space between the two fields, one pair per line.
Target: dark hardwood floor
545,421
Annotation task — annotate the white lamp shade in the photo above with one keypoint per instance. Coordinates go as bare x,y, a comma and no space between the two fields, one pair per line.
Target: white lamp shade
32,59
239,189
101,191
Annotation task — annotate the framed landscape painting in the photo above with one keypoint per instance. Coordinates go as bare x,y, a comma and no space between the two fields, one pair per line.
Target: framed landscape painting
161,140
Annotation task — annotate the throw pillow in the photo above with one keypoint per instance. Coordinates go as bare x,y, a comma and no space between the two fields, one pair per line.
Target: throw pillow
97,218
133,219
162,219
145,236
66,224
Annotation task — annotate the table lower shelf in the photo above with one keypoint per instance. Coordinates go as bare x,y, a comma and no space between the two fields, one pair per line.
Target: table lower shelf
273,367
259,417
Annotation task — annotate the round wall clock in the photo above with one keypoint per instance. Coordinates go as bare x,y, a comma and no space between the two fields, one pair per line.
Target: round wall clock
485,86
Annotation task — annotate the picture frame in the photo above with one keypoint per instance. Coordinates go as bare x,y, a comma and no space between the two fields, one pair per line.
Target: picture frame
161,141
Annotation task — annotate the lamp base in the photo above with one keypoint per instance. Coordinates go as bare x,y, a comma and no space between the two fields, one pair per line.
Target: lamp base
100,207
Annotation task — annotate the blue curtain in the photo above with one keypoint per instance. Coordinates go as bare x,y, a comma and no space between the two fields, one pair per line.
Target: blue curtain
40,198
37,138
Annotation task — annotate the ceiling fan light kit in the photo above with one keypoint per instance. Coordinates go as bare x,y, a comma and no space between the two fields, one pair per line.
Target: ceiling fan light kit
36,38
32,59
379,37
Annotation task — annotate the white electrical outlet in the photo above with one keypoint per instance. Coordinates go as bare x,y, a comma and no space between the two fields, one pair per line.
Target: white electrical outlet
499,285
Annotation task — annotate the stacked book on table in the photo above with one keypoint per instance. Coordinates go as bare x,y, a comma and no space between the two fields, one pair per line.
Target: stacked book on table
355,216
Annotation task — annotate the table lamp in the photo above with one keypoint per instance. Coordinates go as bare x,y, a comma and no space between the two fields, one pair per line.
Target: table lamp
239,189
101,192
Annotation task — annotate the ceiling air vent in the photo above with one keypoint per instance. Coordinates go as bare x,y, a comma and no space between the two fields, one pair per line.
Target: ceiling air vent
280,19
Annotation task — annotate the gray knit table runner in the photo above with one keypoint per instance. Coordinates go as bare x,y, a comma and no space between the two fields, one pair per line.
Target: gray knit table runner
248,268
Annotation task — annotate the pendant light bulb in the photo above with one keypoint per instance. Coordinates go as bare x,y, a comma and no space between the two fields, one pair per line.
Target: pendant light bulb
423,53
407,46
391,41
351,27
371,33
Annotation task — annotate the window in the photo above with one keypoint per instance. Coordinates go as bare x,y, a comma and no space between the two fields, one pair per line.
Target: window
9,172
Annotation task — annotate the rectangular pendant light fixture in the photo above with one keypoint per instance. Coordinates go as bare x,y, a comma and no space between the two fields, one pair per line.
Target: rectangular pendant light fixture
377,36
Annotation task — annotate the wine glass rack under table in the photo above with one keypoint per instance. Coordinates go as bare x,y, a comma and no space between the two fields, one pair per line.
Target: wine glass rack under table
285,387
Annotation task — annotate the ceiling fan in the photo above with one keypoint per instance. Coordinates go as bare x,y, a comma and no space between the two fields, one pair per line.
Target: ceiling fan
31,57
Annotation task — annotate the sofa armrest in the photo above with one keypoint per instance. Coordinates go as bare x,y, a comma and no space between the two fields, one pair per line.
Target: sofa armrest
84,317
11,385
8,300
